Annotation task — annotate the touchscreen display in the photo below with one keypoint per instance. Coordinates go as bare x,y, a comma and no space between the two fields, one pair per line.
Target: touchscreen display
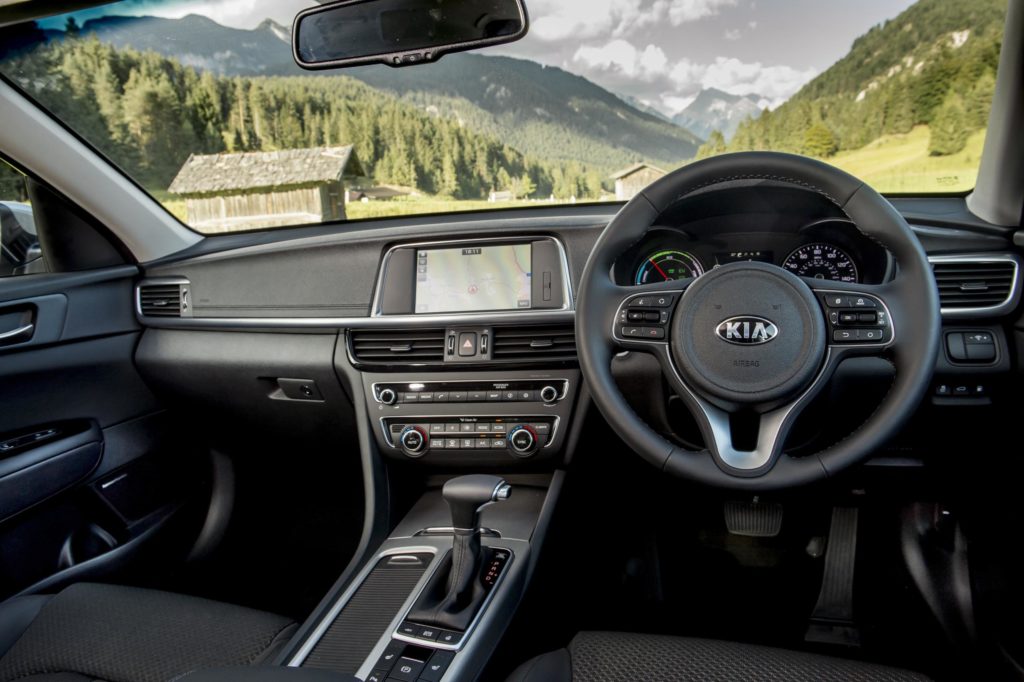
473,278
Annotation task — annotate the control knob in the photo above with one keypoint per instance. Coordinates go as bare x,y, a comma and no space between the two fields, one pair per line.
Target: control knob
413,441
549,394
523,440
388,396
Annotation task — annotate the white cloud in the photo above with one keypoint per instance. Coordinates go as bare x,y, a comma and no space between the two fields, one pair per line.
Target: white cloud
621,56
774,83
555,20
733,34
683,11
676,104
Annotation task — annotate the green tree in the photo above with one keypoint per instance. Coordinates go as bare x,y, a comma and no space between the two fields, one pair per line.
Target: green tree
948,132
820,141
522,186
978,102
713,147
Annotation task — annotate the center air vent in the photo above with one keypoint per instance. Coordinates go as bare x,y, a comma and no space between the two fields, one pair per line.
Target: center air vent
398,347
969,285
163,299
534,343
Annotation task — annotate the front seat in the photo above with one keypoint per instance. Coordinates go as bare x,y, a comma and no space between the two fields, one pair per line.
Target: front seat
92,632
618,657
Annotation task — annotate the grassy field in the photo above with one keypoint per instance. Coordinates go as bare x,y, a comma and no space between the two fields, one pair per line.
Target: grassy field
899,164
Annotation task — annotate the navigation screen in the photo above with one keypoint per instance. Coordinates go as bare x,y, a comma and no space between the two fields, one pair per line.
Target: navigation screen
474,278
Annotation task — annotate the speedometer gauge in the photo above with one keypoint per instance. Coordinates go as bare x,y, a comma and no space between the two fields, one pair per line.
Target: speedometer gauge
822,261
668,265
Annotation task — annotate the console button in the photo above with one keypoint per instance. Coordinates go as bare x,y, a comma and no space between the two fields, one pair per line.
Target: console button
410,397
978,352
468,443
494,396
483,443
409,629
499,444
449,637
437,443
542,429
452,443
437,428
451,428
526,396
978,337
483,427
497,428
427,633
377,676
467,344
441,397
477,396
437,666
426,397
457,396
509,396
407,669
390,655
467,427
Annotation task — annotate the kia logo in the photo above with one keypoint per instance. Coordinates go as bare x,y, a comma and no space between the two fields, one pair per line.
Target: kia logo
747,330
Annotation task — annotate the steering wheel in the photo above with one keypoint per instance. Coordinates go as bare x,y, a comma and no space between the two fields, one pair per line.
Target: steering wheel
752,343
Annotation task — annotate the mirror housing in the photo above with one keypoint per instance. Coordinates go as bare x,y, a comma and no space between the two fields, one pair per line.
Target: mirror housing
401,32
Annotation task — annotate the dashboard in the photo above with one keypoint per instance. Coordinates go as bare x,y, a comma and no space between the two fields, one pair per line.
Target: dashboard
829,249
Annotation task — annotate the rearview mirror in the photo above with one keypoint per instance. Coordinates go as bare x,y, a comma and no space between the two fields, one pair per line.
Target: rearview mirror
402,32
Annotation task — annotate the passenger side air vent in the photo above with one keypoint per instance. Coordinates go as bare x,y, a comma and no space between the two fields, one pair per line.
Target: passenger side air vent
164,299
398,347
534,342
979,285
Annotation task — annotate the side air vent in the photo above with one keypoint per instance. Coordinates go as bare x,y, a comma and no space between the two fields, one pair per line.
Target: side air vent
534,343
976,285
398,347
164,299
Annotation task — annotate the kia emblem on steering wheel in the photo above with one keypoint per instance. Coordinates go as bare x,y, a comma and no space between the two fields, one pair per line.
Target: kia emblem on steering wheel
747,330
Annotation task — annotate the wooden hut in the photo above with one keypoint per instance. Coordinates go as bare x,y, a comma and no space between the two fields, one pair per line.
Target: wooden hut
629,181
225,192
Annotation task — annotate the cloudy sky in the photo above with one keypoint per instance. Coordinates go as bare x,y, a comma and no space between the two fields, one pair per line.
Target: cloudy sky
662,52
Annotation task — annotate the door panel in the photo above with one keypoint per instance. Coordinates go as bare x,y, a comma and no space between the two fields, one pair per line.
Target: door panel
89,470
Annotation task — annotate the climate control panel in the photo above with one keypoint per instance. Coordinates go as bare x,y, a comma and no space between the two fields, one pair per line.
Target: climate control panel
548,392
519,436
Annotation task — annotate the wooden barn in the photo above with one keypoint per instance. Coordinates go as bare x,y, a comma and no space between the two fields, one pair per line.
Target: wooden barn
224,192
629,181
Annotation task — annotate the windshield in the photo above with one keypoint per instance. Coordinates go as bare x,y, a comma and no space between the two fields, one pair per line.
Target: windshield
201,104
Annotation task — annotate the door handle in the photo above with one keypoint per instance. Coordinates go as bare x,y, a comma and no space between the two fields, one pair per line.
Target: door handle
23,333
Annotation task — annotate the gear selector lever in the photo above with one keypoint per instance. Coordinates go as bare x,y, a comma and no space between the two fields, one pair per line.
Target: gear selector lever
454,594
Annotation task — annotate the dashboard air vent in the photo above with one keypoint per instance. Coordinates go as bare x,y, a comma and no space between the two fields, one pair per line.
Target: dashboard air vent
534,342
398,347
969,285
161,300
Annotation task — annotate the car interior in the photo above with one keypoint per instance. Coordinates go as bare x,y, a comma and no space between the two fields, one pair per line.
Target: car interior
756,421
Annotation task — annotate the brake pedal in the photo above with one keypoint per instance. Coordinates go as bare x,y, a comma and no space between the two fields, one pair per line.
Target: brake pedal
832,622
754,519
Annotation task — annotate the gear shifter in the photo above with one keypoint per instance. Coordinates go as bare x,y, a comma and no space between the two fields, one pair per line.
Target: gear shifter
454,594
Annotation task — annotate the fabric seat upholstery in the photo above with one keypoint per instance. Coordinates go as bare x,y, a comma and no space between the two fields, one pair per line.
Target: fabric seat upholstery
94,632
622,657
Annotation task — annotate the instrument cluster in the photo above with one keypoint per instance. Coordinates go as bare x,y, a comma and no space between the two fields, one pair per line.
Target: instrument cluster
829,250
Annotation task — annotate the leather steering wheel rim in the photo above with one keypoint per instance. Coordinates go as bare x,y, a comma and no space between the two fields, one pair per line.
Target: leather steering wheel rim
910,299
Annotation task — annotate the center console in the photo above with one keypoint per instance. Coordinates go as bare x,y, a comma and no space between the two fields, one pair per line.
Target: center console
469,366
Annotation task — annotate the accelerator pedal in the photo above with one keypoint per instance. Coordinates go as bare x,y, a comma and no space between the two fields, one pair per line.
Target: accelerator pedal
754,519
832,619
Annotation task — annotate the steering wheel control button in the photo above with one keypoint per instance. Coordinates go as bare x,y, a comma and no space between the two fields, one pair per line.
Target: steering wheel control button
643,332
865,321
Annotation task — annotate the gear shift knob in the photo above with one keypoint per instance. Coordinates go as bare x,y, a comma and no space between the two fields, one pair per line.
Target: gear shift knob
467,495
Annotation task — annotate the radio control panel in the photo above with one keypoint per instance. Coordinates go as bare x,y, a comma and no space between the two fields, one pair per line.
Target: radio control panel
496,417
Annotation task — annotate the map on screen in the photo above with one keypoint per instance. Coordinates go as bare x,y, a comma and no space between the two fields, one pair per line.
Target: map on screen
473,278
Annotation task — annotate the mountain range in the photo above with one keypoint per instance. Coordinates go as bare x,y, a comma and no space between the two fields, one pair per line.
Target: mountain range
713,110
